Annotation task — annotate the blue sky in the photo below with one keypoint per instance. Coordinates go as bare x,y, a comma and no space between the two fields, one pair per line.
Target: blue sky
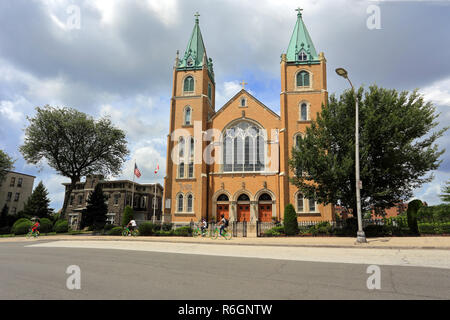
119,62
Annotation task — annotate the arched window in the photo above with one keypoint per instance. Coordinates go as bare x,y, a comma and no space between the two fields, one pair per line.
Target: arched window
303,79
181,147
181,170
297,139
180,201
265,197
191,170
243,102
243,148
223,197
243,197
312,205
300,203
302,56
187,116
304,114
189,84
191,147
190,201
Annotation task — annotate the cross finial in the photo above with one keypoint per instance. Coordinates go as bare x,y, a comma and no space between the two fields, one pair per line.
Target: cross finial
299,10
243,83
196,15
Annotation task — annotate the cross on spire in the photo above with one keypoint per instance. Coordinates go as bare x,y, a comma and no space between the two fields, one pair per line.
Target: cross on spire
299,10
243,83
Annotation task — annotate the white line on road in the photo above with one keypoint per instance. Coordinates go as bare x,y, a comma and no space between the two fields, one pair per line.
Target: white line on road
393,257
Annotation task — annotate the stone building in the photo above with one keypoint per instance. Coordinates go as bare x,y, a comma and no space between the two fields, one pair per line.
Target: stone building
118,194
15,190
244,174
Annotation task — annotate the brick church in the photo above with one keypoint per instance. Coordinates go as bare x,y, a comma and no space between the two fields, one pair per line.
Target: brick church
233,160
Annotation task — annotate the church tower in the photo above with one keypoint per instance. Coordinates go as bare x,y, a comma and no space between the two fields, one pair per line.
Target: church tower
303,92
192,104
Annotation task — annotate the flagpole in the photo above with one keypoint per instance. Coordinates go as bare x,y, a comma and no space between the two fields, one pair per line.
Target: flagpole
132,193
154,205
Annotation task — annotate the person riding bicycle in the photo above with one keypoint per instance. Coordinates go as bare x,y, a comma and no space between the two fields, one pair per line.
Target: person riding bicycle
35,227
203,226
223,224
132,225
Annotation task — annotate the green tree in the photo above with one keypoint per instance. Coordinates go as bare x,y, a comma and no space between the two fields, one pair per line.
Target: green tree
96,210
445,196
413,208
38,203
397,149
6,164
74,144
290,221
128,215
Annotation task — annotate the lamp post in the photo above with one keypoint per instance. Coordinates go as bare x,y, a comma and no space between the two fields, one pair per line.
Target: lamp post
361,237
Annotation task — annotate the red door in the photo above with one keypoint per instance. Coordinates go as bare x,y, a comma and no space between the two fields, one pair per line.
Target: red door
265,212
223,209
243,212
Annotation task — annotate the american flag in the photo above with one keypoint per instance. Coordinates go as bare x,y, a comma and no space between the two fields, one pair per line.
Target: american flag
157,169
136,171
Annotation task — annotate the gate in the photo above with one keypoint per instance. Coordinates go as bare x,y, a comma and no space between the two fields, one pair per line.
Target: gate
239,229
262,227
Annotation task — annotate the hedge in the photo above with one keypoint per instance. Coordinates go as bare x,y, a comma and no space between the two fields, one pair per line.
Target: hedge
440,213
61,226
185,231
22,227
434,228
115,231
146,229
46,226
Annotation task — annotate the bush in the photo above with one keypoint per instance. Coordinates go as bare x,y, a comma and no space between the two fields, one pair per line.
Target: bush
115,231
272,233
167,226
434,228
61,226
109,227
128,215
413,208
22,227
5,230
19,221
146,229
183,231
46,225
440,213
350,227
290,221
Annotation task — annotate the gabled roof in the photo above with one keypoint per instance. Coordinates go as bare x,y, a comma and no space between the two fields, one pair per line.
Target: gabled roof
195,56
301,41
234,99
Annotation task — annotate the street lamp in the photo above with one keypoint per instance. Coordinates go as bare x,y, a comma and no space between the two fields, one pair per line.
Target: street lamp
361,237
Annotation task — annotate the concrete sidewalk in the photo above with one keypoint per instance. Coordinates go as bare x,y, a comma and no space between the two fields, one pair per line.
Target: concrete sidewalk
442,243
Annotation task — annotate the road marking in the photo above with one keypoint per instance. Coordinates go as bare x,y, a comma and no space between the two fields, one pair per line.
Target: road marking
393,257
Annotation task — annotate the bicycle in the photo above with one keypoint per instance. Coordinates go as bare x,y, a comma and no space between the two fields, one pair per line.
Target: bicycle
197,232
216,233
126,232
32,233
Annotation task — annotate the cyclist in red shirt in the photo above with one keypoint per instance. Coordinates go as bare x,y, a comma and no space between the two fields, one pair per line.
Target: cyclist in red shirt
35,227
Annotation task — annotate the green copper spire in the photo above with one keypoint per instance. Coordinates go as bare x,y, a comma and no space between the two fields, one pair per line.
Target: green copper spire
301,48
195,56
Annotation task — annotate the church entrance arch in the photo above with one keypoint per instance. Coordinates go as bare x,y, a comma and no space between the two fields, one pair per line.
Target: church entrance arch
265,208
243,208
223,207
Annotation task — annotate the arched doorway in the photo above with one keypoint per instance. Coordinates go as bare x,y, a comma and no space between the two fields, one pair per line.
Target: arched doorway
243,208
265,208
223,207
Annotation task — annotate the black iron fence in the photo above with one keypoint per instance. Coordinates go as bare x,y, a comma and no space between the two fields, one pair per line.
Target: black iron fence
262,227
239,229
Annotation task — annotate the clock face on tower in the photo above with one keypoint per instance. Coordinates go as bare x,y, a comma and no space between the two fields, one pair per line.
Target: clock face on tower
190,62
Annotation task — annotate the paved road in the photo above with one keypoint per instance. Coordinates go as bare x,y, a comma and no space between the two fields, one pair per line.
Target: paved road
39,273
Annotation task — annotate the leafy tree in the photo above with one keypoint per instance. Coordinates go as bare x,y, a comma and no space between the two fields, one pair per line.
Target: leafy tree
445,196
397,149
6,164
290,221
38,203
128,215
413,208
74,144
96,209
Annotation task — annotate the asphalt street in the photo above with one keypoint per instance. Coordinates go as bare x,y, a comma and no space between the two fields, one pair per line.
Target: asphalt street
34,272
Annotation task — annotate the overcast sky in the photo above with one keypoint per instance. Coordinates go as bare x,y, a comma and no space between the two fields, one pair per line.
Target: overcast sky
119,62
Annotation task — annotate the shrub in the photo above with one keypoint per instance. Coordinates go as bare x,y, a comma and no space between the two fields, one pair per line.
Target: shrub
440,213
46,225
109,227
411,213
185,231
61,226
146,229
128,215
323,228
434,228
19,221
272,233
167,226
290,221
350,227
115,231
5,230
22,227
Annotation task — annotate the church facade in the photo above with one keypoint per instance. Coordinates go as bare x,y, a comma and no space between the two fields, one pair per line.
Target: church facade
234,160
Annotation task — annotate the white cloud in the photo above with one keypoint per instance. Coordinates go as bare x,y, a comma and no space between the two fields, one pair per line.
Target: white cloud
438,92
147,158
8,109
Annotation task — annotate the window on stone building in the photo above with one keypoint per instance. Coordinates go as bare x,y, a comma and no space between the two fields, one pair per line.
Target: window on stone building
13,182
191,170
300,203
312,205
302,56
116,199
304,112
190,199
303,79
19,182
8,198
180,200
181,146
16,197
189,84
181,170
187,116
80,199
